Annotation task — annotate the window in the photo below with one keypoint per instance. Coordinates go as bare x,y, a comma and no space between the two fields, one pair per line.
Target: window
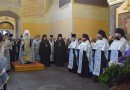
63,2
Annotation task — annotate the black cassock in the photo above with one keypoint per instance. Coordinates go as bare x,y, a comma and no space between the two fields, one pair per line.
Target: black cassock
67,53
60,54
13,52
18,49
75,66
45,52
110,42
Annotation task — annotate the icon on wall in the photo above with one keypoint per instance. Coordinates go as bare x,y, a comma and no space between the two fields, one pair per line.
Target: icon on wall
124,23
6,26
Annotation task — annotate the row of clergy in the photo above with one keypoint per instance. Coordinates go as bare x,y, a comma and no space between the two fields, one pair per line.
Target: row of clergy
90,61
27,50
83,58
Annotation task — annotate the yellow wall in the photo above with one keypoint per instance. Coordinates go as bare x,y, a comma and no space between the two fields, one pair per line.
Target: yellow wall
89,19
76,18
34,25
56,20
61,27
89,26
34,28
71,18
60,19
55,28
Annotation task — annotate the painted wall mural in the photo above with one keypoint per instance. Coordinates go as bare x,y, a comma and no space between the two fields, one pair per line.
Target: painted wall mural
63,2
124,22
33,8
6,26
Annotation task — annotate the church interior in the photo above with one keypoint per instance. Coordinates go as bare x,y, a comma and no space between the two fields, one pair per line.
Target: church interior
53,17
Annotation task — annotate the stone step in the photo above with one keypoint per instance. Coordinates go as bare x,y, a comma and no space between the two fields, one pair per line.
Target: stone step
28,67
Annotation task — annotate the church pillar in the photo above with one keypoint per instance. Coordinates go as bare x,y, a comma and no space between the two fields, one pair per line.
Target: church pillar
71,18
113,17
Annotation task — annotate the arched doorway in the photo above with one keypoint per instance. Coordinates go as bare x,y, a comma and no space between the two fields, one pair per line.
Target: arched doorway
7,27
16,17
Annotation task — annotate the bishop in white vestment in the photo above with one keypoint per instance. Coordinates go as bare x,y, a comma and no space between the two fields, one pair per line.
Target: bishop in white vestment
26,53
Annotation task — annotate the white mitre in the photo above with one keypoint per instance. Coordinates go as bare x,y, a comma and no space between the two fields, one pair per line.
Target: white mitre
26,31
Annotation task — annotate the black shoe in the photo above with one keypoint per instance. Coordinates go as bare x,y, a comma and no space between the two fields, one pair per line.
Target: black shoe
5,86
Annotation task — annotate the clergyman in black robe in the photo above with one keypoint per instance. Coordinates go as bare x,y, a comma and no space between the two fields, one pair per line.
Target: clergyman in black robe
18,42
45,51
60,51
12,50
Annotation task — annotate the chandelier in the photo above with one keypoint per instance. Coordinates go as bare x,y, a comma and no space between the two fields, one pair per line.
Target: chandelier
128,6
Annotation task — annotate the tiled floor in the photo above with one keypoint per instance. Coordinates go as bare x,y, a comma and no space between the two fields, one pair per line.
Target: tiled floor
52,78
